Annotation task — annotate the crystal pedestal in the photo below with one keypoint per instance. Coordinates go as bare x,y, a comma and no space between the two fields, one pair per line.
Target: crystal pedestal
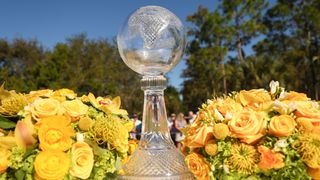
151,42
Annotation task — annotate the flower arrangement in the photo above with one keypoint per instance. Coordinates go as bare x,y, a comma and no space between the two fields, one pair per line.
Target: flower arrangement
255,134
50,134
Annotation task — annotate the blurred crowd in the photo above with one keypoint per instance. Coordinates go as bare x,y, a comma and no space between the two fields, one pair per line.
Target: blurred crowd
175,124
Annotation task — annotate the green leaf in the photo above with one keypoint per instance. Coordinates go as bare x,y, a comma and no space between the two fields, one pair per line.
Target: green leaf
20,174
6,124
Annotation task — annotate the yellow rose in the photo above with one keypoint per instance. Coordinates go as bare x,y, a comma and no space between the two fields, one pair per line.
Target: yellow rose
55,133
228,105
295,96
33,95
44,108
282,126
75,108
308,113
4,159
254,97
197,166
199,136
51,165
82,160
248,126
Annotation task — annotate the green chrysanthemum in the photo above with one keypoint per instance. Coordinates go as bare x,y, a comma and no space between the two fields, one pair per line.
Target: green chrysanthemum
11,105
109,130
308,147
244,159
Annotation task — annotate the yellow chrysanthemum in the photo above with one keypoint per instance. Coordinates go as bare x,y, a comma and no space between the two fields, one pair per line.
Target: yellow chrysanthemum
85,123
12,104
111,131
244,158
220,131
308,146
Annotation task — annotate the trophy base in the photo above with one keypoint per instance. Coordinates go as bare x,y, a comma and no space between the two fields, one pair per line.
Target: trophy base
164,164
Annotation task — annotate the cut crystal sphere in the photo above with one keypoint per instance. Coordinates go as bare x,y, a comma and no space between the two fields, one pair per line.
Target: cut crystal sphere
152,40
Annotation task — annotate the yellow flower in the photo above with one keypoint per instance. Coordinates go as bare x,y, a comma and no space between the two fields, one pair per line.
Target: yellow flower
248,126
270,159
51,165
308,113
197,166
24,133
227,105
12,104
66,93
85,123
282,126
133,144
314,173
75,108
55,133
243,158
211,149
111,131
220,131
198,136
107,105
4,159
82,160
254,97
42,108
33,95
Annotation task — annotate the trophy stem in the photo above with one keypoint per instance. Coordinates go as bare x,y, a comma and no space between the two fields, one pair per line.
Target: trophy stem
156,157
155,130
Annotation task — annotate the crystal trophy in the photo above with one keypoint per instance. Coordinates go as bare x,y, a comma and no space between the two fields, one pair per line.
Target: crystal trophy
151,42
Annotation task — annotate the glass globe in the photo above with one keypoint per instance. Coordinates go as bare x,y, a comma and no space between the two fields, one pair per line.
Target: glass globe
152,40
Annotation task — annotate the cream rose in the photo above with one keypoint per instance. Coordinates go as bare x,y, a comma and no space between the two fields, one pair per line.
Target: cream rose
42,108
248,126
82,160
282,126
75,108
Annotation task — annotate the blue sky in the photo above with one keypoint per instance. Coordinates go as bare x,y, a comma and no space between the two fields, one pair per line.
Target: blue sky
53,21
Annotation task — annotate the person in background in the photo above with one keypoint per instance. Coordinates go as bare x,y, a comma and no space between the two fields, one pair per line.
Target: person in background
191,117
173,129
180,124
137,125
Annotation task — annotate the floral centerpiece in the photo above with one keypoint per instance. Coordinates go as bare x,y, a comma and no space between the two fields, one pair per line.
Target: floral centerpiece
50,134
255,134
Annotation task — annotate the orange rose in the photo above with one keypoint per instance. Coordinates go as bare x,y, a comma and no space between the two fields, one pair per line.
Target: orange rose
247,125
254,97
197,166
51,165
314,173
281,126
199,136
295,96
82,160
4,159
308,113
270,159
55,133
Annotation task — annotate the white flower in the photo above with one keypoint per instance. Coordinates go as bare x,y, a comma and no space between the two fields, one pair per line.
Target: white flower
229,115
280,107
218,115
283,94
273,86
292,106
282,143
226,168
80,137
